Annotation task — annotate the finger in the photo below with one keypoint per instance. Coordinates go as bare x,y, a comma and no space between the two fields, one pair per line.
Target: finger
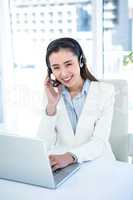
53,163
52,158
47,83
59,89
55,167
46,78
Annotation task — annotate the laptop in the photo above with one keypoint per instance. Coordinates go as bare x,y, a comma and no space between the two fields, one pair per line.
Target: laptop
26,160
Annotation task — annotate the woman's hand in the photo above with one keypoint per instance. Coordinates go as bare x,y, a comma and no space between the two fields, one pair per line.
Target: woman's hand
60,161
53,95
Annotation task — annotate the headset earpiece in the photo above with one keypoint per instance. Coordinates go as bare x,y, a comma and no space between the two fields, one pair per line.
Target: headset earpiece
81,64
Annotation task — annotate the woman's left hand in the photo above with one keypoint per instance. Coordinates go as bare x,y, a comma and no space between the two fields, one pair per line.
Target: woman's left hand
60,161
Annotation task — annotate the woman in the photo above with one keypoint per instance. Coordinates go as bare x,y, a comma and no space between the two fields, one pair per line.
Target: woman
78,112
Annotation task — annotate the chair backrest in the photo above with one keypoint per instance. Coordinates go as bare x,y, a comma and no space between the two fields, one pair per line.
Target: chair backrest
119,129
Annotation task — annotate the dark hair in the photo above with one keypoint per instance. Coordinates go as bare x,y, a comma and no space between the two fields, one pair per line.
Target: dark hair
74,46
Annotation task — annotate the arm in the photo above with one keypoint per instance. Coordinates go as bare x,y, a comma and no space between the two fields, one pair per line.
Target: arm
47,130
96,145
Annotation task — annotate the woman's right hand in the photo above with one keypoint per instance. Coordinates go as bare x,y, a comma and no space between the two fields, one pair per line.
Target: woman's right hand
53,95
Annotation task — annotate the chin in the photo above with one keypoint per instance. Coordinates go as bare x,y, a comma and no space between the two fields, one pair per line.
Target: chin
69,85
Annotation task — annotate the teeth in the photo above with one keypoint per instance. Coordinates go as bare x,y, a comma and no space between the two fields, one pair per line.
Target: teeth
67,79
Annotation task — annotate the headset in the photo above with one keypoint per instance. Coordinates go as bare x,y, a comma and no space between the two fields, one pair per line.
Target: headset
55,83
57,44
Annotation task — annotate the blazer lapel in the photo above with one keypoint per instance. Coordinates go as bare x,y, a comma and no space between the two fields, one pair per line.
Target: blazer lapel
89,108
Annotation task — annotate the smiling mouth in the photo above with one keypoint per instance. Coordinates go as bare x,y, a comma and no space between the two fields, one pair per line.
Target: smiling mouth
67,79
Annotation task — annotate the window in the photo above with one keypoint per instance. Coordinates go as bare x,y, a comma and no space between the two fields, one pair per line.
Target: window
118,37
33,24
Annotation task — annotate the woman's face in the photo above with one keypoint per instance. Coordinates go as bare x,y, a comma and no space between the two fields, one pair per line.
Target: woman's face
65,67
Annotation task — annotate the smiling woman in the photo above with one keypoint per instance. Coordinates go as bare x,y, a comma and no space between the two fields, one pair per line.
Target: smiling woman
65,67
78,112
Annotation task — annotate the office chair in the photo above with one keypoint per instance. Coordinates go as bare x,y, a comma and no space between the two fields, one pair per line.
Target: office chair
119,129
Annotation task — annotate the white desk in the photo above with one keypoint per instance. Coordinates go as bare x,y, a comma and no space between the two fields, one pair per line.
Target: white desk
97,180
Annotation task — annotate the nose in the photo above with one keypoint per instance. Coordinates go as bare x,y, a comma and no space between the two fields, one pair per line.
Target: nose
64,73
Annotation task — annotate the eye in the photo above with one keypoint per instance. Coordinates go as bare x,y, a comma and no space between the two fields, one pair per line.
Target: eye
68,64
56,68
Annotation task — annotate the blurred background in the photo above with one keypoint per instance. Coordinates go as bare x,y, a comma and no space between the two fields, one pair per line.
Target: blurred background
104,28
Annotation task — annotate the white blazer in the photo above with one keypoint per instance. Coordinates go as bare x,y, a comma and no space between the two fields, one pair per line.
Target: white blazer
91,139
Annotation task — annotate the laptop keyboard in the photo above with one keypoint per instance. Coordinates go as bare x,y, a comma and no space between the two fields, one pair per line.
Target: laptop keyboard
56,171
60,174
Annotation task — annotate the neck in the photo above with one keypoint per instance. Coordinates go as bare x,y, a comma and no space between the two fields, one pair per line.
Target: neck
76,88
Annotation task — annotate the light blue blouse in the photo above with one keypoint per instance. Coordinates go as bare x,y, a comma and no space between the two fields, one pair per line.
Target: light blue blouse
74,105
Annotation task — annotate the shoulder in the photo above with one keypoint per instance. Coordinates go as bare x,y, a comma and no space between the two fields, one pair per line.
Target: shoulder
103,88
104,94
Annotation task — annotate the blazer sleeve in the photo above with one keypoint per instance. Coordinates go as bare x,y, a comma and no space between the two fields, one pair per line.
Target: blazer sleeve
46,129
97,144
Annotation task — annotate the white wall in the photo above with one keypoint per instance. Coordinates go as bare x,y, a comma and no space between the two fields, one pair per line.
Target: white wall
5,53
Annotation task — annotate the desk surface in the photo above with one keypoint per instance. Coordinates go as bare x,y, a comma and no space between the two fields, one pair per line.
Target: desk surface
97,180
